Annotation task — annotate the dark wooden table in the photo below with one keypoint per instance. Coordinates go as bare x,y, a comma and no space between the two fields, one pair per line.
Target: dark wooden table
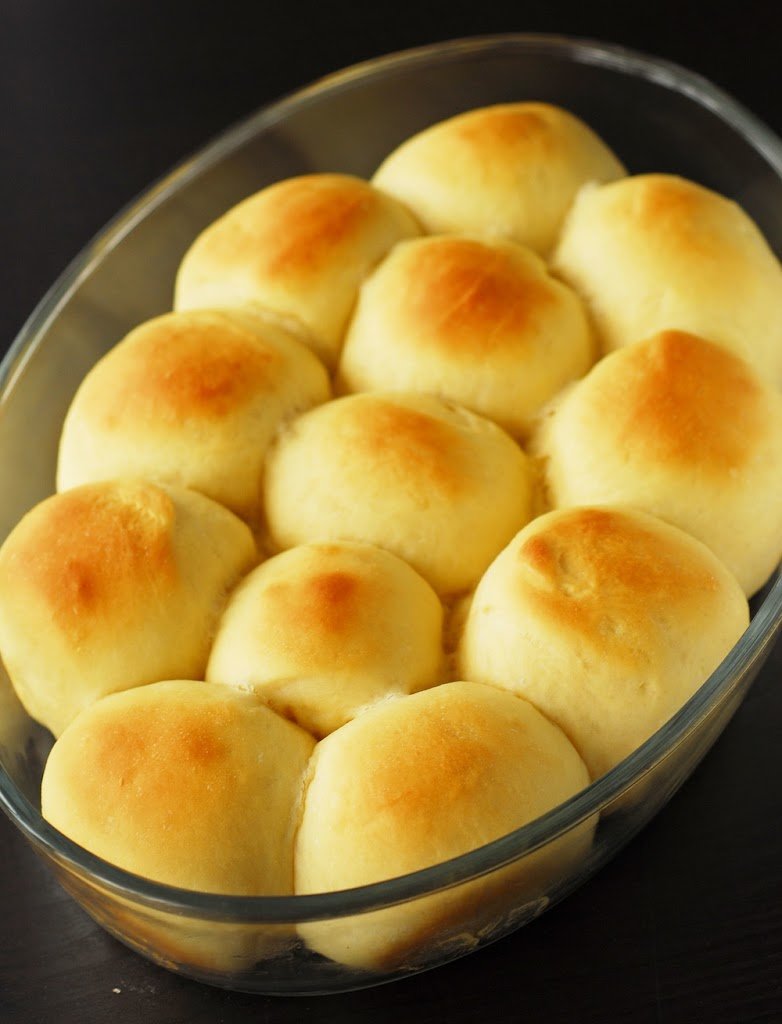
97,99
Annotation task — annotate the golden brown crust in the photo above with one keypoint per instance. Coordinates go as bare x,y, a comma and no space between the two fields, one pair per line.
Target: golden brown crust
607,620
519,127
411,448
327,603
185,783
188,366
193,399
114,585
478,322
680,428
506,171
447,762
433,774
675,212
438,486
304,221
297,249
463,295
416,781
323,611
86,557
324,630
683,400
162,762
657,252
601,574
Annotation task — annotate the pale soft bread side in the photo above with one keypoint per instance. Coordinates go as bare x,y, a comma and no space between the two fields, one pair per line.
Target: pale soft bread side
656,251
112,585
482,323
299,249
168,937
191,399
322,631
185,783
419,780
510,171
435,484
607,620
680,428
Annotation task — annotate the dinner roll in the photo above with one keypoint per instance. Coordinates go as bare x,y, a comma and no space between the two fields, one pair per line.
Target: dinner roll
184,783
607,620
191,399
510,170
655,251
478,322
680,428
437,485
112,585
419,780
323,630
299,249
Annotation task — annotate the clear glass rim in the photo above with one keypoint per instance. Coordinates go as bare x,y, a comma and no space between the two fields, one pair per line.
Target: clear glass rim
750,649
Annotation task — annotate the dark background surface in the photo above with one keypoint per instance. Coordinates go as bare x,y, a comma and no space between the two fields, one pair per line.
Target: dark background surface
97,100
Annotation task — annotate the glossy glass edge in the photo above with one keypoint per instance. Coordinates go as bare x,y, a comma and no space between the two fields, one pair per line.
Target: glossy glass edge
749,651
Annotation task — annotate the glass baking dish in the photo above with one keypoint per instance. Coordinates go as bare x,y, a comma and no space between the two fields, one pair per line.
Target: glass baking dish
656,117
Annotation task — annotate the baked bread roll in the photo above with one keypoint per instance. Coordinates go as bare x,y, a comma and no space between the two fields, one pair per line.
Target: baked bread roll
419,780
607,620
324,630
654,252
429,481
684,430
185,783
510,171
112,585
298,249
191,399
478,322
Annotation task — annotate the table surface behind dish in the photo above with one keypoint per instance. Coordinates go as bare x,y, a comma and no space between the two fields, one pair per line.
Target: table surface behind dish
96,101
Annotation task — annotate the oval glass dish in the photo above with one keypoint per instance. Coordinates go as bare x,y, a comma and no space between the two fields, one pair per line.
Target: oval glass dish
657,117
